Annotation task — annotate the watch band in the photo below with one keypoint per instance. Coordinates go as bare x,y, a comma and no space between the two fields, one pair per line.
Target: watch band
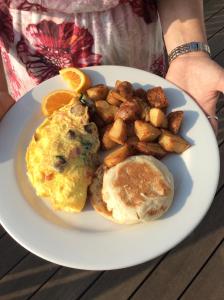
186,48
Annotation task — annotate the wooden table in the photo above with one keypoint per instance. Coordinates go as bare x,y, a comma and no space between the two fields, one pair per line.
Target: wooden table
194,270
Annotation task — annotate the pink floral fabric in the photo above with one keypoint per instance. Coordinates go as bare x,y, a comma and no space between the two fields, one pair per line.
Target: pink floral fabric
39,37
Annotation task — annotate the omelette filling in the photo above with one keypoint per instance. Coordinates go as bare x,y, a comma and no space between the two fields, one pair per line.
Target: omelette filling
61,157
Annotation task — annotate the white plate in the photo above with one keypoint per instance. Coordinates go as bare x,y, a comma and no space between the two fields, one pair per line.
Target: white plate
87,240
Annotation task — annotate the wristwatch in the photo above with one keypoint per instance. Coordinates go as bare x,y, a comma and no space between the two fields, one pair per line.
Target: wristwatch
188,47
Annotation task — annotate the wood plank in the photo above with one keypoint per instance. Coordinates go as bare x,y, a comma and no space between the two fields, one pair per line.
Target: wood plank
66,284
119,284
220,59
216,43
211,7
11,254
214,24
179,267
209,283
220,136
26,278
2,230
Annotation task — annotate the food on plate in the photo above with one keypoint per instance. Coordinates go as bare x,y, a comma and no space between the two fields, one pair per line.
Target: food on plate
158,118
128,111
130,185
107,143
157,98
141,93
146,132
112,99
117,155
118,132
95,194
125,89
57,99
61,157
98,92
76,79
175,119
106,111
173,143
139,189
153,149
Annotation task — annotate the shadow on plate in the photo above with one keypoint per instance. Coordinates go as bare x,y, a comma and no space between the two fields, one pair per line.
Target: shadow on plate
183,183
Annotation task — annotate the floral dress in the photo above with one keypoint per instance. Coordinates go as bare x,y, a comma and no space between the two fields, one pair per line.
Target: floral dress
39,37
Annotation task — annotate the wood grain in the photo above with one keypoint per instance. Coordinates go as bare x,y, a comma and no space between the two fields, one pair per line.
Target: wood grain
209,283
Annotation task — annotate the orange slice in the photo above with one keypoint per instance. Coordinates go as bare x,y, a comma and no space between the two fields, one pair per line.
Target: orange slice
56,100
76,79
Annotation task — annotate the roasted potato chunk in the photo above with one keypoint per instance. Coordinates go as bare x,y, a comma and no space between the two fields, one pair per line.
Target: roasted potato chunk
106,111
125,89
157,98
107,143
117,156
118,132
113,100
128,111
175,119
158,118
146,132
153,149
146,114
143,106
98,92
141,93
117,96
173,143
117,84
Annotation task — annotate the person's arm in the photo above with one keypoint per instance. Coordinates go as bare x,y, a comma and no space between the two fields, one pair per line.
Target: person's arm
182,22
6,100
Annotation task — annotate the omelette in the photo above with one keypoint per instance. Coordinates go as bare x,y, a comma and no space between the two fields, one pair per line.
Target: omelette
61,157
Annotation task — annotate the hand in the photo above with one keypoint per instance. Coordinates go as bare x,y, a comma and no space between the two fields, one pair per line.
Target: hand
6,102
201,77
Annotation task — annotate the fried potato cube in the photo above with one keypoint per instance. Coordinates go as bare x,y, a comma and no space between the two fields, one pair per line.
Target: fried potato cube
146,114
158,118
118,132
117,96
117,156
175,119
143,106
107,143
157,98
128,111
153,149
98,92
117,83
141,93
125,89
146,132
106,111
173,143
113,100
